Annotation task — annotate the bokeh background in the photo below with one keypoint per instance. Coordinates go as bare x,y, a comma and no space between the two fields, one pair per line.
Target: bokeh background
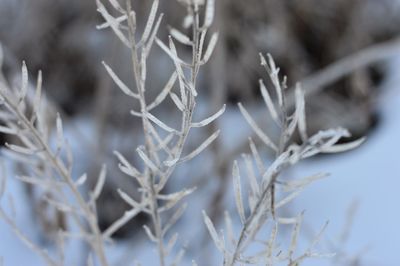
305,37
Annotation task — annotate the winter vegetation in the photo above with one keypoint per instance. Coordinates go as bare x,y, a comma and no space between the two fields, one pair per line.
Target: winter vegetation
174,152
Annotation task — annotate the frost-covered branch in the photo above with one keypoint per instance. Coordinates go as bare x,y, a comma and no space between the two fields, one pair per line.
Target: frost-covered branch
163,148
26,120
262,202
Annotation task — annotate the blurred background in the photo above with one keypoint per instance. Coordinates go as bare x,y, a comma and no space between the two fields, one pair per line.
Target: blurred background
346,54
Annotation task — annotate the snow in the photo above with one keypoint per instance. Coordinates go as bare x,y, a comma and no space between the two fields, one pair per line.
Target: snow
368,175
12,250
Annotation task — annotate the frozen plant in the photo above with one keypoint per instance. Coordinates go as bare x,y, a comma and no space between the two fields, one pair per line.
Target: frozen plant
48,164
262,199
163,147
51,167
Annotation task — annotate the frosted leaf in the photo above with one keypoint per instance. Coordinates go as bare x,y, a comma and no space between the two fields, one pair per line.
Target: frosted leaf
60,134
100,182
344,147
150,234
256,156
163,94
214,235
128,215
177,101
173,201
81,180
256,128
287,199
180,194
238,192
126,167
210,119
152,37
209,14
24,83
147,161
268,101
7,130
128,199
174,218
202,147
38,94
210,48
301,113
180,37
20,149
229,228
255,189
161,124
119,82
187,21
150,21
171,244
188,84
173,56
295,184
